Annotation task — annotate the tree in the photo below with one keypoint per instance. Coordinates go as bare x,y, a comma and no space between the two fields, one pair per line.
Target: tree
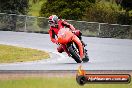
35,1
68,9
14,6
126,4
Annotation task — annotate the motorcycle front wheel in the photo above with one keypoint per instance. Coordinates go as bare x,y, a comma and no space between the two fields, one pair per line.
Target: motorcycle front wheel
74,54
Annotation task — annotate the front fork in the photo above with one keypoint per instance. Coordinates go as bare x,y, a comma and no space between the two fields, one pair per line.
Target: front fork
65,47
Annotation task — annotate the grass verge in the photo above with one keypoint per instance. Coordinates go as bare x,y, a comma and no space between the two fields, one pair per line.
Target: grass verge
9,54
54,82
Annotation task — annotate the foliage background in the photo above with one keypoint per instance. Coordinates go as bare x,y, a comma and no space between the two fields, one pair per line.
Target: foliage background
108,11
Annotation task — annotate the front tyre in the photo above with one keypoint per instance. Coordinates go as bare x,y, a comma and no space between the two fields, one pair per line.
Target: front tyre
74,54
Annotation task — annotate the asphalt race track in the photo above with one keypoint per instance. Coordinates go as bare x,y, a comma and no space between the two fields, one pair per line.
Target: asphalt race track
104,53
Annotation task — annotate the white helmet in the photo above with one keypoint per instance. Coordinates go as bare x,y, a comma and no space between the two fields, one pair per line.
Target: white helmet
53,20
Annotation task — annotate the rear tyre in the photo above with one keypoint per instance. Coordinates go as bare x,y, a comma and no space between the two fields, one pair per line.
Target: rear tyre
86,59
74,54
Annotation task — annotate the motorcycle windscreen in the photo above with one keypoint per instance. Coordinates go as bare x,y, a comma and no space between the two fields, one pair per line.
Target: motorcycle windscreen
64,35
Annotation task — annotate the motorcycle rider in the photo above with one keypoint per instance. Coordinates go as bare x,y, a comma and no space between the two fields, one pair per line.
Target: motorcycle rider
55,25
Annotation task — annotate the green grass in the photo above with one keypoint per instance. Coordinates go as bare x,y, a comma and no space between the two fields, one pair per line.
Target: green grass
54,82
35,7
9,54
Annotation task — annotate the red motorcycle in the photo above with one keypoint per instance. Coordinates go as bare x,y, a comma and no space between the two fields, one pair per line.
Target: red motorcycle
72,45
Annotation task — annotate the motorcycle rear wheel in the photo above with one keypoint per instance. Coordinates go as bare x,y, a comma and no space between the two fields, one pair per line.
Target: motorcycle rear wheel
86,59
